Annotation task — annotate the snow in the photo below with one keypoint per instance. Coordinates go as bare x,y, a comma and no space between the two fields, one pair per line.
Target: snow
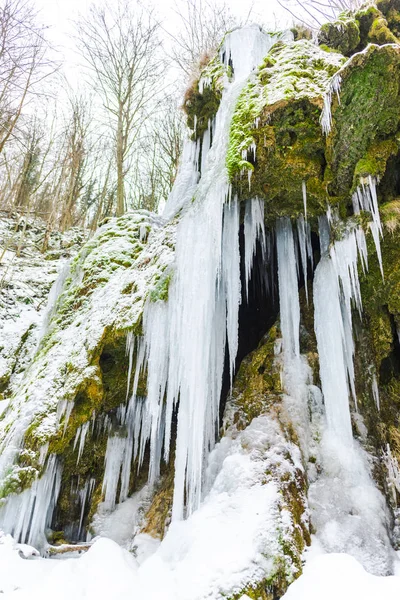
202,557
341,577
43,392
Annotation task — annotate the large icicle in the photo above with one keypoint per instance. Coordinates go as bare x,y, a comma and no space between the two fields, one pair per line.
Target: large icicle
288,296
296,375
336,287
304,248
185,338
253,230
231,277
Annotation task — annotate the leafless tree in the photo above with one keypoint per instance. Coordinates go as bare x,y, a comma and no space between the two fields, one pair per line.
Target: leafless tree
154,172
23,62
315,12
202,25
121,47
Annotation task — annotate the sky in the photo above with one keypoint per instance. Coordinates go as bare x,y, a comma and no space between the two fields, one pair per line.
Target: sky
59,15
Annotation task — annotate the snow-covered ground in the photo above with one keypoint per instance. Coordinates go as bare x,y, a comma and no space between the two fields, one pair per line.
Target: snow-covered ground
234,540
109,571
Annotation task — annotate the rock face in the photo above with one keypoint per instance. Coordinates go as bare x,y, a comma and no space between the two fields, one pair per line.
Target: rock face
312,128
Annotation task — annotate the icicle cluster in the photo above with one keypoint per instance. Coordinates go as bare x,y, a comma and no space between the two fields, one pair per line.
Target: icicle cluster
365,198
336,288
29,514
326,115
182,351
254,231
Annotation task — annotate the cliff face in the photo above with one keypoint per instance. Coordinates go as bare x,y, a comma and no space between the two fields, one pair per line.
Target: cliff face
290,164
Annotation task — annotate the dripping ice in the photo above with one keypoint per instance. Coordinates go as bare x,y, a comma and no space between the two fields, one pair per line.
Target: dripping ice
201,312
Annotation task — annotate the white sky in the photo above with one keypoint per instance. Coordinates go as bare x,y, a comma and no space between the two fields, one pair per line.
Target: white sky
58,15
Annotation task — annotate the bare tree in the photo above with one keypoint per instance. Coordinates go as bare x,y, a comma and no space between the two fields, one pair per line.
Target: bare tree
121,48
156,167
202,25
75,158
315,12
23,62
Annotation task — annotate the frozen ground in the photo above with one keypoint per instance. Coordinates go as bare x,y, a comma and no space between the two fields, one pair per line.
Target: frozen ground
109,571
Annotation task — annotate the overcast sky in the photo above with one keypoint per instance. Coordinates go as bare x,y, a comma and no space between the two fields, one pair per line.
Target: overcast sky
59,15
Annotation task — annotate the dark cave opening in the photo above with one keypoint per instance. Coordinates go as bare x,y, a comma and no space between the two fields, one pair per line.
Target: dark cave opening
259,312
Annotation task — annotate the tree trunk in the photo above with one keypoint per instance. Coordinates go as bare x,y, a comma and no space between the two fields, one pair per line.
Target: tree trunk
120,167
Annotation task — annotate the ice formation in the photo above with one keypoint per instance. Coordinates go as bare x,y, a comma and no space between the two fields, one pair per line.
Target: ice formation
205,292
182,356
365,198
254,230
326,115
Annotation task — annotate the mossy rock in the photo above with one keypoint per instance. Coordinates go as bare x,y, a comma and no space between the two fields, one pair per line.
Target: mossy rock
258,383
278,115
342,35
378,352
366,120
391,10
203,97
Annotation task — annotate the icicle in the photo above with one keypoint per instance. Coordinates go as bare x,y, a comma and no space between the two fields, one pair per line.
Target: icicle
302,236
116,446
324,234
304,190
205,147
326,114
330,334
289,309
336,286
310,253
231,277
81,436
295,373
253,230
375,392
84,496
27,516
365,198
393,470
66,410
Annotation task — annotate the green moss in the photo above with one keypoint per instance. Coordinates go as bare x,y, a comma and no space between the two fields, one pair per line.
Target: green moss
367,118
161,288
301,32
342,35
278,114
258,383
375,161
380,32
203,97
391,10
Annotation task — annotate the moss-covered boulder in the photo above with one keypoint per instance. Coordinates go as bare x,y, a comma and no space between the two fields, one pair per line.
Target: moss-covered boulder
79,372
276,137
365,119
342,35
203,96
